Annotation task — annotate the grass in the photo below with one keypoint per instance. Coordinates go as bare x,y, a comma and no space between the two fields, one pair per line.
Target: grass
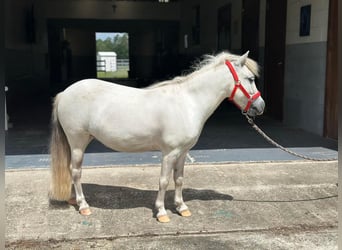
121,73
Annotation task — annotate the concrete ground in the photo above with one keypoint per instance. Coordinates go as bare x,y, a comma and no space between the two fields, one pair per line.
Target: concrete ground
274,205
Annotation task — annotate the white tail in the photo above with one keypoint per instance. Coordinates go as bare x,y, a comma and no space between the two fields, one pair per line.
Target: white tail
60,187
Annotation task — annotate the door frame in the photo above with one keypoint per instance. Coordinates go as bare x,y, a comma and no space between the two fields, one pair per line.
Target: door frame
331,82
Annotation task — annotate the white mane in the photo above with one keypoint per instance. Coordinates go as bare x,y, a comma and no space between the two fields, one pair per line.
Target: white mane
209,61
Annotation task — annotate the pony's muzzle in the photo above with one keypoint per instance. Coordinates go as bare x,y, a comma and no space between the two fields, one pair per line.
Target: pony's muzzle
257,107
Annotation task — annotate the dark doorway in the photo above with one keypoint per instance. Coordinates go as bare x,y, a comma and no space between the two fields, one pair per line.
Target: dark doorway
55,51
72,54
224,28
250,28
274,57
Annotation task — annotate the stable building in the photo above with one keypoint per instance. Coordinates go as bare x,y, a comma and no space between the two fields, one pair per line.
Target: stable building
294,41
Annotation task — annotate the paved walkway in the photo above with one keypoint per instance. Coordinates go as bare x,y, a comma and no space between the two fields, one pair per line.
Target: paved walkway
279,205
208,156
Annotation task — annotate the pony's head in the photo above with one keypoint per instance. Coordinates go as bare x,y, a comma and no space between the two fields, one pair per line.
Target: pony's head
245,93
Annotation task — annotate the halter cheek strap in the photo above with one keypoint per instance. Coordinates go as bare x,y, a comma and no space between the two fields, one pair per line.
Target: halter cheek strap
237,86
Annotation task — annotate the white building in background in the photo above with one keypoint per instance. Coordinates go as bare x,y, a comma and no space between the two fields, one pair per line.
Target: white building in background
106,61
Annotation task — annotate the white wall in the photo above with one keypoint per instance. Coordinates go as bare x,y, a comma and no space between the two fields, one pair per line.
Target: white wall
319,21
305,67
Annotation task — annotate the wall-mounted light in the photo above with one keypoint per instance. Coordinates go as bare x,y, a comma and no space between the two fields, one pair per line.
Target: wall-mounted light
163,1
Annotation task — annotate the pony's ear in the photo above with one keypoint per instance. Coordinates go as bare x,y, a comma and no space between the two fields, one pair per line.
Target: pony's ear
242,59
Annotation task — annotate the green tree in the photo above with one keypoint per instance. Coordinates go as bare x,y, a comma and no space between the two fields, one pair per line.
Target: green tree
104,45
119,44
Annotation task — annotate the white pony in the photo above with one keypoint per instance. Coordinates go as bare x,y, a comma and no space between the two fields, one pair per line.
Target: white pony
168,116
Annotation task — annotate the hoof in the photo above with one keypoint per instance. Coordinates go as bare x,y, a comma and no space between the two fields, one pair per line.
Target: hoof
163,219
185,213
85,211
72,202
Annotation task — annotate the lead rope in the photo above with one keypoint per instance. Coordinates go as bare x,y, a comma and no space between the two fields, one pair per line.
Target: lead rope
251,121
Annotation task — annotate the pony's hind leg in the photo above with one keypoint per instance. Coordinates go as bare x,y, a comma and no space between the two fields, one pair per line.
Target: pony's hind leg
178,173
77,153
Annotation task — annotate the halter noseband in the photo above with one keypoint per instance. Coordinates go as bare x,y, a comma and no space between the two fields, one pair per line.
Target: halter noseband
237,86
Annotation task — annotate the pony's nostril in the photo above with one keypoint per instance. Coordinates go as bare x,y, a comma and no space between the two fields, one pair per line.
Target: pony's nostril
258,109
259,106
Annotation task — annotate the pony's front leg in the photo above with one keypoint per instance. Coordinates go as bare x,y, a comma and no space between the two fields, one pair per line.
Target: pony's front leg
168,162
178,173
76,172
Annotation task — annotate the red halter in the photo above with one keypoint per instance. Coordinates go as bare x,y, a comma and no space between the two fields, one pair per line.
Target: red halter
238,85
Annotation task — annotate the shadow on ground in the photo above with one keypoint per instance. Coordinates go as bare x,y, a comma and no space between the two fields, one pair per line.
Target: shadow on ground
118,197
